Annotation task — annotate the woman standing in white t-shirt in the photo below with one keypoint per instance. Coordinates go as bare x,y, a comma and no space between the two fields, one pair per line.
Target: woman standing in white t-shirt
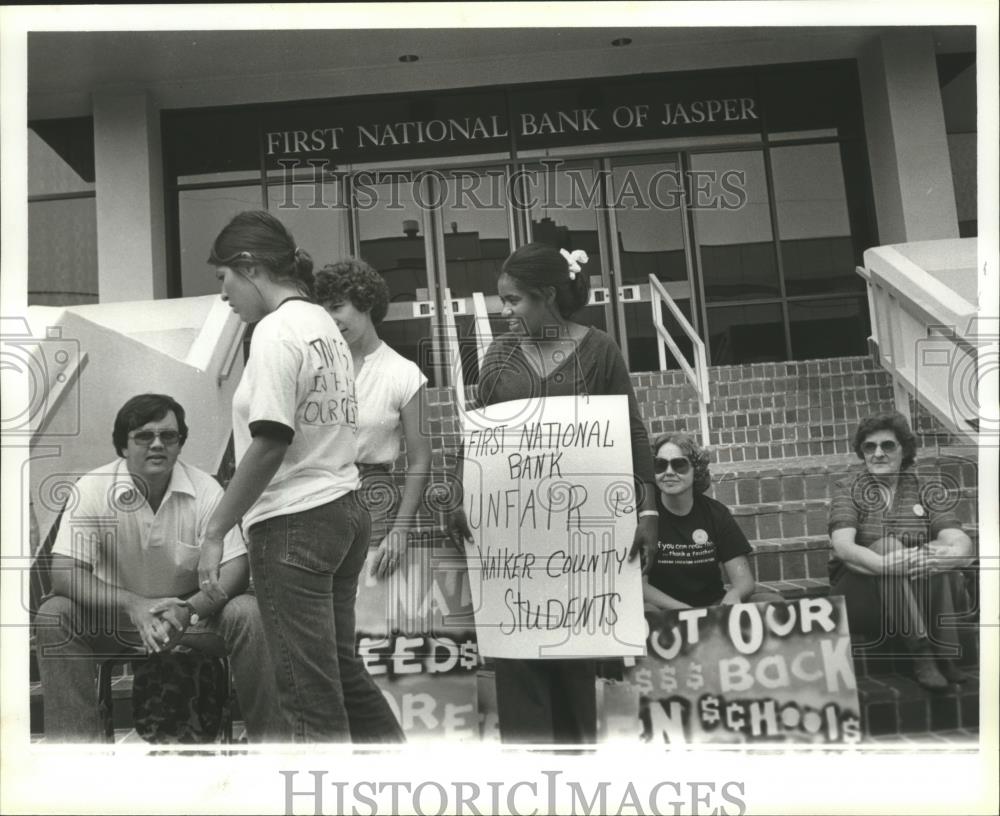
391,402
294,429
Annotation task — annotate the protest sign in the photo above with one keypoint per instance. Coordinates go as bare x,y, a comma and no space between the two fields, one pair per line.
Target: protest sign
416,638
767,672
550,499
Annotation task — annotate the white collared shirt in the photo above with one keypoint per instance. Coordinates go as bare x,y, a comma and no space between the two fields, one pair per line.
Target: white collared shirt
109,525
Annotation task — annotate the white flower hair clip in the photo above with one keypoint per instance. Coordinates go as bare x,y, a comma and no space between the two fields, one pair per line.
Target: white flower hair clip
574,259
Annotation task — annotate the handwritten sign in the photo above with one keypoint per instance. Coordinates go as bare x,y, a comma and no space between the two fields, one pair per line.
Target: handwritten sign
768,672
416,639
549,496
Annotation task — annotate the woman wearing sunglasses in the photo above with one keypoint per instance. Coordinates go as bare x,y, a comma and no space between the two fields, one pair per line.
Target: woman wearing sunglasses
896,551
697,534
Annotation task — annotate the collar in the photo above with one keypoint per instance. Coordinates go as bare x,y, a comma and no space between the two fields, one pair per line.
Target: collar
180,480
291,298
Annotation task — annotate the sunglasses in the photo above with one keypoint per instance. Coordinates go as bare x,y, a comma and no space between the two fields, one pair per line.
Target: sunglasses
680,465
146,438
888,446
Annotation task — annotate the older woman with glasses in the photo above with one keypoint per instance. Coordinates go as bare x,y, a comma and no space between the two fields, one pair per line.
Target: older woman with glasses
896,549
696,535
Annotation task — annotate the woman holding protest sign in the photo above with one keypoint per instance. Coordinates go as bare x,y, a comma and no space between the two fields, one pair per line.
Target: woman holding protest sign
896,551
547,354
294,427
697,535
391,402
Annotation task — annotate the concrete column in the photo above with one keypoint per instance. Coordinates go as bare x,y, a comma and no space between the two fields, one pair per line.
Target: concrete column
131,245
907,141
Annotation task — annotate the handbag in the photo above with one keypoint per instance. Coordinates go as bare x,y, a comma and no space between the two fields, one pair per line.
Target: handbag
180,697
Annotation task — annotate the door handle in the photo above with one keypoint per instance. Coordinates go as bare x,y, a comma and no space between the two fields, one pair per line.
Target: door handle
599,296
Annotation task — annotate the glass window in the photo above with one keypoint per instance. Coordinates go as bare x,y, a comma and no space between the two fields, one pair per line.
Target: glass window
733,225
833,327
62,226
562,199
60,156
62,252
476,229
391,239
746,334
647,200
643,339
203,213
316,216
817,252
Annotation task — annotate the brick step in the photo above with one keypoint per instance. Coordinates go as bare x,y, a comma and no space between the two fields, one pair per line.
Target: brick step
765,371
895,705
801,558
750,415
753,430
768,396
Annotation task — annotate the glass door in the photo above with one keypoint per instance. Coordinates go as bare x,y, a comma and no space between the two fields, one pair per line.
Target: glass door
476,227
563,201
648,224
395,235
744,306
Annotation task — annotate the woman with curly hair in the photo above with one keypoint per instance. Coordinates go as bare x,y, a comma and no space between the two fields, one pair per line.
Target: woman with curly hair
697,534
391,400
896,549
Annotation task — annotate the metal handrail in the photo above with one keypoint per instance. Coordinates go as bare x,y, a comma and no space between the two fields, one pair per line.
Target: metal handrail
698,376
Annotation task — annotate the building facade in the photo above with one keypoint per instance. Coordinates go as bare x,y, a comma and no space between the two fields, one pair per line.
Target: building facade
747,169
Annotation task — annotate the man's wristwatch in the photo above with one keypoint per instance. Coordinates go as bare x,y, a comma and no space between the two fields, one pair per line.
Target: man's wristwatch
194,612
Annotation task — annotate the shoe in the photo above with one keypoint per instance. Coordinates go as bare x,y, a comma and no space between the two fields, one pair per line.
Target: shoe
951,671
926,673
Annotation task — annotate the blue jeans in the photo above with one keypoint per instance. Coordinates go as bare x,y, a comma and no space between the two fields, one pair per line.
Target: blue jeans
305,568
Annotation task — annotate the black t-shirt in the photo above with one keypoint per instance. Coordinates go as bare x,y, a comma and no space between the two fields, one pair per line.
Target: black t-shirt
690,549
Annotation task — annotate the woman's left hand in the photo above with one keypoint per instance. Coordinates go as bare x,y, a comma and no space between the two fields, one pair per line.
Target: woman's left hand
208,568
644,542
389,553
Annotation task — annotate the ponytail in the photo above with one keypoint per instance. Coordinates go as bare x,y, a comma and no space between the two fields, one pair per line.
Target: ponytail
257,238
302,271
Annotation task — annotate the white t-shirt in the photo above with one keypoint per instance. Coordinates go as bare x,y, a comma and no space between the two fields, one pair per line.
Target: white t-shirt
387,381
109,525
300,375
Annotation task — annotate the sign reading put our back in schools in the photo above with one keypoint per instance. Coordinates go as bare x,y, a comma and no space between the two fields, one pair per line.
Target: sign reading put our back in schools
549,496
767,672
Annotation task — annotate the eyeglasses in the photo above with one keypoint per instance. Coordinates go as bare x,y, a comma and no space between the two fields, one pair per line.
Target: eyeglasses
887,445
680,465
146,438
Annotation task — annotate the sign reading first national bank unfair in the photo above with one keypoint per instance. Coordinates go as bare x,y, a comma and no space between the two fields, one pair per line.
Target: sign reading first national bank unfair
503,120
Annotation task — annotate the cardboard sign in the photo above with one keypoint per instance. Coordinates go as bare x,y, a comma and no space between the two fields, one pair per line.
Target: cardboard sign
767,672
549,495
422,660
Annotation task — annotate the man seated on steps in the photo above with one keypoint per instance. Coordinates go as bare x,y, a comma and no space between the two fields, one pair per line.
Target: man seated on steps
125,574
897,549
